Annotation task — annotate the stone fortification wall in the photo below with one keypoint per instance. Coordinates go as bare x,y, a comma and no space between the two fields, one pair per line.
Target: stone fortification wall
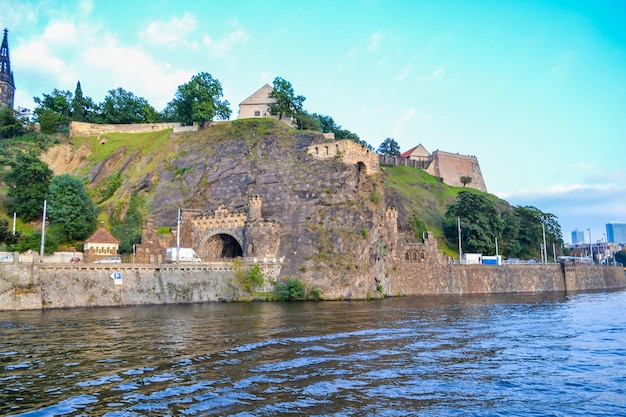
33,286
347,151
94,129
451,167
61,286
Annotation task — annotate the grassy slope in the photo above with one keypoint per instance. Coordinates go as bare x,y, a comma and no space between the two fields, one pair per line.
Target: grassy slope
426,197
422,194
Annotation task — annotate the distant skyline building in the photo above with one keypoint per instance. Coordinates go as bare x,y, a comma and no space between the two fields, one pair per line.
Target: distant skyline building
616,232
578,236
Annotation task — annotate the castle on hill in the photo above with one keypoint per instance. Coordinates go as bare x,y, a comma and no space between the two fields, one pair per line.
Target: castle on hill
450,167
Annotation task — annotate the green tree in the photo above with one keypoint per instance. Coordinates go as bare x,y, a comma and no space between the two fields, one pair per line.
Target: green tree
620,257
328,125
83,108
481,222
389,147
28,183
6,236
531,224
10,125
78,104
287,103
465,180
33,242
121,106
53,111
70,208
199,100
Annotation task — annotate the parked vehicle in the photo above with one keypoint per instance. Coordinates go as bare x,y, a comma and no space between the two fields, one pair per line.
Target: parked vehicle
184,255
75,260
109,260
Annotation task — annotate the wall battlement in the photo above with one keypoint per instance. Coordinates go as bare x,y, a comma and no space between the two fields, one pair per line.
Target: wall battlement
95,129
348,152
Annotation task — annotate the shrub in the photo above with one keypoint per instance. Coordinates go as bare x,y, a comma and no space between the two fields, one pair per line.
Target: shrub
375,197
290,290
315,294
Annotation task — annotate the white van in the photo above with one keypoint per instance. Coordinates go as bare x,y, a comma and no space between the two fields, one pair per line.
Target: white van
185,255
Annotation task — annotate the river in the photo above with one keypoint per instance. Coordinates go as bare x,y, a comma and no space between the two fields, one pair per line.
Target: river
487,355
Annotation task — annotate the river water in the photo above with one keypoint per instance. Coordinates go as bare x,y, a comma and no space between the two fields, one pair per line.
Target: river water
488,355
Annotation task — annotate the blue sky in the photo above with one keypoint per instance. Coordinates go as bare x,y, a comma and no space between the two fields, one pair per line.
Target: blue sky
535,89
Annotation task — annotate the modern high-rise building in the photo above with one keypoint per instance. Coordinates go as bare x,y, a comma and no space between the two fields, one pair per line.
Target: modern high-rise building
578,236
616,232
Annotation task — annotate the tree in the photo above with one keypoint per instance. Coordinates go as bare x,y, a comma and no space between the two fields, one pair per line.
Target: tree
10,125
28,183
481,222
532,222
53,111
6,236
620,257
199,100
78,104
389,147
328,125
306,121
287,103
465,180
121,106
70,208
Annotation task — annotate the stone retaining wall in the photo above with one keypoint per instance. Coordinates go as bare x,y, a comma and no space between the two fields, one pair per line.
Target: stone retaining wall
32,286
95,129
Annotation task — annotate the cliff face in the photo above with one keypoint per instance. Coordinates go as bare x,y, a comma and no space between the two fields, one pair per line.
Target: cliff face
334,234
331,212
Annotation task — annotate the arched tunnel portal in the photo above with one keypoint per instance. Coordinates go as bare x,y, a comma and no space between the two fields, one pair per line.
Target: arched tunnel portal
221,246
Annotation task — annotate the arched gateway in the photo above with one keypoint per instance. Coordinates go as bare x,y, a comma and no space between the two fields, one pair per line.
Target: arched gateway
220,246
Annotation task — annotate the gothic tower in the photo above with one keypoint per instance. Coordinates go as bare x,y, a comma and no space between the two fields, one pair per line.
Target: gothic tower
7,86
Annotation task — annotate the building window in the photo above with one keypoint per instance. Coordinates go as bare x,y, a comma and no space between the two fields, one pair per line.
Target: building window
407,256
257,113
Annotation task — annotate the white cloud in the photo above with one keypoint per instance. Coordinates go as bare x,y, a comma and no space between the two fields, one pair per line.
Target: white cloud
220,46
172,32
374,40
95,58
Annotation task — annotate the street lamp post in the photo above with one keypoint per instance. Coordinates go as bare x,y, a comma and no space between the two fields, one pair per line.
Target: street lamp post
590,247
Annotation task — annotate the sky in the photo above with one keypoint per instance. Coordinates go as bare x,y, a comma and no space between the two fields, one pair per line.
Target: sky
536,90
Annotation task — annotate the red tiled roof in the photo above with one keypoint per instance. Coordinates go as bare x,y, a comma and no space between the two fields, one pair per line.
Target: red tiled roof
101,236
409,152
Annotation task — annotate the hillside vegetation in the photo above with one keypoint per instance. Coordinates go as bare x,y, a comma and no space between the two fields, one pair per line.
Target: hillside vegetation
135,177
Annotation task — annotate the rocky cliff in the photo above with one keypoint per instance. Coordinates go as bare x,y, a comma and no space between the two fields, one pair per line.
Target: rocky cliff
334,232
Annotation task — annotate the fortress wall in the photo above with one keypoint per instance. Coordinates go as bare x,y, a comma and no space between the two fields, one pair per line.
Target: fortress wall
349,152
29,286
451,167
94,129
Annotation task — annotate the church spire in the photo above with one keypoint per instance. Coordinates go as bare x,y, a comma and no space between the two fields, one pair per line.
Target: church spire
7,85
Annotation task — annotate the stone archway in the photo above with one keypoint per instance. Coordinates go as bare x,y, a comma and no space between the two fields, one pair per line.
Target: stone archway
361,168
222,246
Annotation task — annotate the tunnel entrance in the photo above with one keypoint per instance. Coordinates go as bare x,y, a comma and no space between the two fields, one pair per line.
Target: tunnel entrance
223,246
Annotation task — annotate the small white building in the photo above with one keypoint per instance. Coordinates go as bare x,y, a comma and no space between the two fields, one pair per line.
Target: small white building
258,105
100,245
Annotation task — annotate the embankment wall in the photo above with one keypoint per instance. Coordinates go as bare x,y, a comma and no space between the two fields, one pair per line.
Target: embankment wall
32,286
